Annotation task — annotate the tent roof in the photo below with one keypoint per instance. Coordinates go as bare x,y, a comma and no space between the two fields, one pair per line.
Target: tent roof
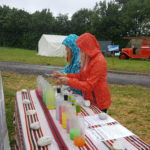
54,38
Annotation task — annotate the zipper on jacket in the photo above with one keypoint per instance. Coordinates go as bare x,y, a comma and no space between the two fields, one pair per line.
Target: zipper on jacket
94,97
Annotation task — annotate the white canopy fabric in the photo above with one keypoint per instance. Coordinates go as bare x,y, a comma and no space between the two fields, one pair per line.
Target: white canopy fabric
50,45
4,140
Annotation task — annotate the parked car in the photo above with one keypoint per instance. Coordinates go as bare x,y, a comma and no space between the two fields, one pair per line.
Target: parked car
138,47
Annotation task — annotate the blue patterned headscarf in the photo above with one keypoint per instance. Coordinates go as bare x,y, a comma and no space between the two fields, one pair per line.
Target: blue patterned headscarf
75,65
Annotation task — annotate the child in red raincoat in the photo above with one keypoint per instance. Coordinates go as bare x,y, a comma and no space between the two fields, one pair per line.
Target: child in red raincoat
92,78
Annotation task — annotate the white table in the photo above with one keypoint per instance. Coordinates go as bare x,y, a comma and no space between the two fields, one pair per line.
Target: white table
27,138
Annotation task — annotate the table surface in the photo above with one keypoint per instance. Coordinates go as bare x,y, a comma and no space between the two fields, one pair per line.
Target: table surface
60,138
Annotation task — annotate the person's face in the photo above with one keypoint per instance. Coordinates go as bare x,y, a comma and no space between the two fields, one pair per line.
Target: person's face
69,54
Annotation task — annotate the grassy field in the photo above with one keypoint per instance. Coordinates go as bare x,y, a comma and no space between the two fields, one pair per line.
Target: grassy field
30,56
130,104
128,65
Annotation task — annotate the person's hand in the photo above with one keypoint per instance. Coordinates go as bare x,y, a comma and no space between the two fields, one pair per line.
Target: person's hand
62,80
57,74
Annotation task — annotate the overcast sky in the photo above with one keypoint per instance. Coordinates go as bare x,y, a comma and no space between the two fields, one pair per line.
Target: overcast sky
55,6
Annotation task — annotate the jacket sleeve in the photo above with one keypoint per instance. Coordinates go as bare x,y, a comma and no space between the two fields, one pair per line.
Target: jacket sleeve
74,75
94,75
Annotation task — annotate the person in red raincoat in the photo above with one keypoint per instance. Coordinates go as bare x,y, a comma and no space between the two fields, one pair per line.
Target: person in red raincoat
92,78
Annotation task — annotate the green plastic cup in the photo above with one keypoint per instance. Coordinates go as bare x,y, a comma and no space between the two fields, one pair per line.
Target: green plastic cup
78,108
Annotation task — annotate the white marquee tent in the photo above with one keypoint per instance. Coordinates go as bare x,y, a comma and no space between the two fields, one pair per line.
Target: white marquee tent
50,45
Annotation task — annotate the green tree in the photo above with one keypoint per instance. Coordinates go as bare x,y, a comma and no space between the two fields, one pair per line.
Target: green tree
42,22
136,14
106,21
62,25
3,13
15,24
81,21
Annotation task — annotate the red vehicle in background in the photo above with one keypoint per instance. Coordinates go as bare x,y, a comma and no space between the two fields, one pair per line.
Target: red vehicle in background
138,47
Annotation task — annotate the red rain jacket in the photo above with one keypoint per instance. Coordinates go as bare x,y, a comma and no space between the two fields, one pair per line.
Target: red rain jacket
92,81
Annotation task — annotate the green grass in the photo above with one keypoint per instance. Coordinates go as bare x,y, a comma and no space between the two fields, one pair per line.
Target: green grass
11,84
9,104
130,104
133,65
131,107
30,56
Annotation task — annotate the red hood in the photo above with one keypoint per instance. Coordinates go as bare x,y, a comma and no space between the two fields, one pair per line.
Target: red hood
88,44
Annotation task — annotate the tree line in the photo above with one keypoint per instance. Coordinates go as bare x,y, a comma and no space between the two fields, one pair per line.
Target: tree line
107,21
